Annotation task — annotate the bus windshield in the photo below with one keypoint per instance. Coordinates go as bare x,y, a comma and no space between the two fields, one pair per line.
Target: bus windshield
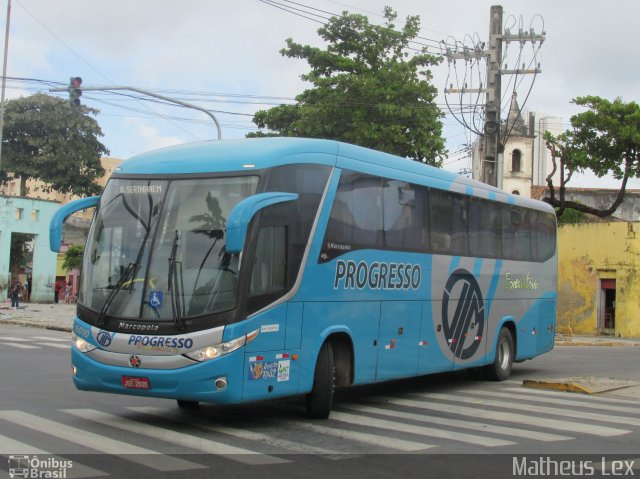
156,249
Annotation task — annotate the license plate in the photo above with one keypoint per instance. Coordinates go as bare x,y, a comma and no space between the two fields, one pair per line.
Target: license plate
134,382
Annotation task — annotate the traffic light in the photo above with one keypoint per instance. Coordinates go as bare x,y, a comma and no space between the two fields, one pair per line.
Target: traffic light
74,91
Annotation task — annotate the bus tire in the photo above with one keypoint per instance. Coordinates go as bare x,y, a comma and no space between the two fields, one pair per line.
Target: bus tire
320,399
500,370
184,404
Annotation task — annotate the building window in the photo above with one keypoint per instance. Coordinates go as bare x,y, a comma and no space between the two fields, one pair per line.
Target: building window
515,192
18,214
516,158
35,215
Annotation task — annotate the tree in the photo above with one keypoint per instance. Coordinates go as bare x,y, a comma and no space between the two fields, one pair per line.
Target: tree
606,140
367,90
73,257
45,139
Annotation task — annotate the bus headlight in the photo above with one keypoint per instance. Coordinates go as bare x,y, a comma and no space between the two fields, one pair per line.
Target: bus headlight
81,345
217,350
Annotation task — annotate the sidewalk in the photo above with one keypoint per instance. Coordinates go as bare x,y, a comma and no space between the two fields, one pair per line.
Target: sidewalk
48,316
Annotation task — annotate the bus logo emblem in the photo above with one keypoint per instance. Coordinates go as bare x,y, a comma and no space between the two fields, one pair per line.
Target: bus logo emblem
468,315
104,339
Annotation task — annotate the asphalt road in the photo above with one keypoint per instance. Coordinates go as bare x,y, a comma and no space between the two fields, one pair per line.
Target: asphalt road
439,426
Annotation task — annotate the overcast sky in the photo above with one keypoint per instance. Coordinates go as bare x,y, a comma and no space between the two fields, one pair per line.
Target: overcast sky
224,55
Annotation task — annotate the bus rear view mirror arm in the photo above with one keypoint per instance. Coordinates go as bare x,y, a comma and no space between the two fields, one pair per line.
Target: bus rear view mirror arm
241,215
55,226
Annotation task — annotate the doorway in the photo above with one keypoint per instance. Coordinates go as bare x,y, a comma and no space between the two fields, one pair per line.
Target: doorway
607,310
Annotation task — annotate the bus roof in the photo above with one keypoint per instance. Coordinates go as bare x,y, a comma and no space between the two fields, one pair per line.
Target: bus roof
259,153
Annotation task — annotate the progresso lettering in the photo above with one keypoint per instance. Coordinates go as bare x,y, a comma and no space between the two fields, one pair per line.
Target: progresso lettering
161,342
377,275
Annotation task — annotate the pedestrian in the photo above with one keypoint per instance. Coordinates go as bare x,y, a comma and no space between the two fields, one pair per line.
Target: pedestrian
29,286
26,290
16,289
67,292
57,291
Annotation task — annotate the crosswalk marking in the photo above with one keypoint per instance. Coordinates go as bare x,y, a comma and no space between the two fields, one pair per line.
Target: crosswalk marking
194,442
128,451
529,420
571,413
9,446
13,339
476,426
56,345
363,437
418,430
563,402
575,396
19,345
266,439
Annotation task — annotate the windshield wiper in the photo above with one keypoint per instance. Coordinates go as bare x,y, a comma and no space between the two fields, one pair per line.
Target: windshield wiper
175,284
131,268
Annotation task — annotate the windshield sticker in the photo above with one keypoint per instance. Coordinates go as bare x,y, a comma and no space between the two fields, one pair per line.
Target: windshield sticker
140,189
156,298
512,282
377,275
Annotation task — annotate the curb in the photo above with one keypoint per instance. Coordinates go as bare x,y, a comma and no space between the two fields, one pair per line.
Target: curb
29,324
597,343
582,385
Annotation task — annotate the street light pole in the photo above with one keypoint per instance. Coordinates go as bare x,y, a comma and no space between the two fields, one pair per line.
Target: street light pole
4,75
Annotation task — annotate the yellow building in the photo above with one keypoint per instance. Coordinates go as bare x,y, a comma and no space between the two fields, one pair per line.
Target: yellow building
599,279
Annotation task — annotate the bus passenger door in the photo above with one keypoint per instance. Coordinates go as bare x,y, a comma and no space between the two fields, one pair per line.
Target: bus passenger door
398,339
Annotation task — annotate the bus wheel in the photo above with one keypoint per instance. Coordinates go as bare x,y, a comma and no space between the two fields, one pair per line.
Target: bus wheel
320,399
501,367
187,404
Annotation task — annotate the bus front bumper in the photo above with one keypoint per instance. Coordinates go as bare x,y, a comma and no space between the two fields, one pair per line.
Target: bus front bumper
197,382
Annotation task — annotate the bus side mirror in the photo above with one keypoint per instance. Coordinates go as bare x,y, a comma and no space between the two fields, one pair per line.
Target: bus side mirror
55,226
241,215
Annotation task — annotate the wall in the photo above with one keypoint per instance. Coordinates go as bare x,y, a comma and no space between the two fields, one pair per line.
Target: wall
36,215
590,252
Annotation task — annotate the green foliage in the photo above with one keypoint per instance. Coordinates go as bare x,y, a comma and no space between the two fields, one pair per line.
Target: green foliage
570,217
367,90
73,257
45,139
605,139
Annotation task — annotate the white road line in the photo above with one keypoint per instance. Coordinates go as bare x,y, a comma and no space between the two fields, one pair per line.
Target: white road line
605,408
174,437
9,447
103,444
368,421
537,409
575,396
17,340
476,426
50,338
363,437
20,345
55,345
266,439
479,412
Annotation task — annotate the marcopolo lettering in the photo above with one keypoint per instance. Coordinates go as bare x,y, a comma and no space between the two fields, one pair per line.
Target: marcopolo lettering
161,342
376,275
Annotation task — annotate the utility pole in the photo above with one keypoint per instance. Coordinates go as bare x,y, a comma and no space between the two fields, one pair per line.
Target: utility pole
492,158
492,136
79,90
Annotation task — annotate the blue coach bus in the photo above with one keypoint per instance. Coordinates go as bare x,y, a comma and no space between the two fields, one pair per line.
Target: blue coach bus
234,271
